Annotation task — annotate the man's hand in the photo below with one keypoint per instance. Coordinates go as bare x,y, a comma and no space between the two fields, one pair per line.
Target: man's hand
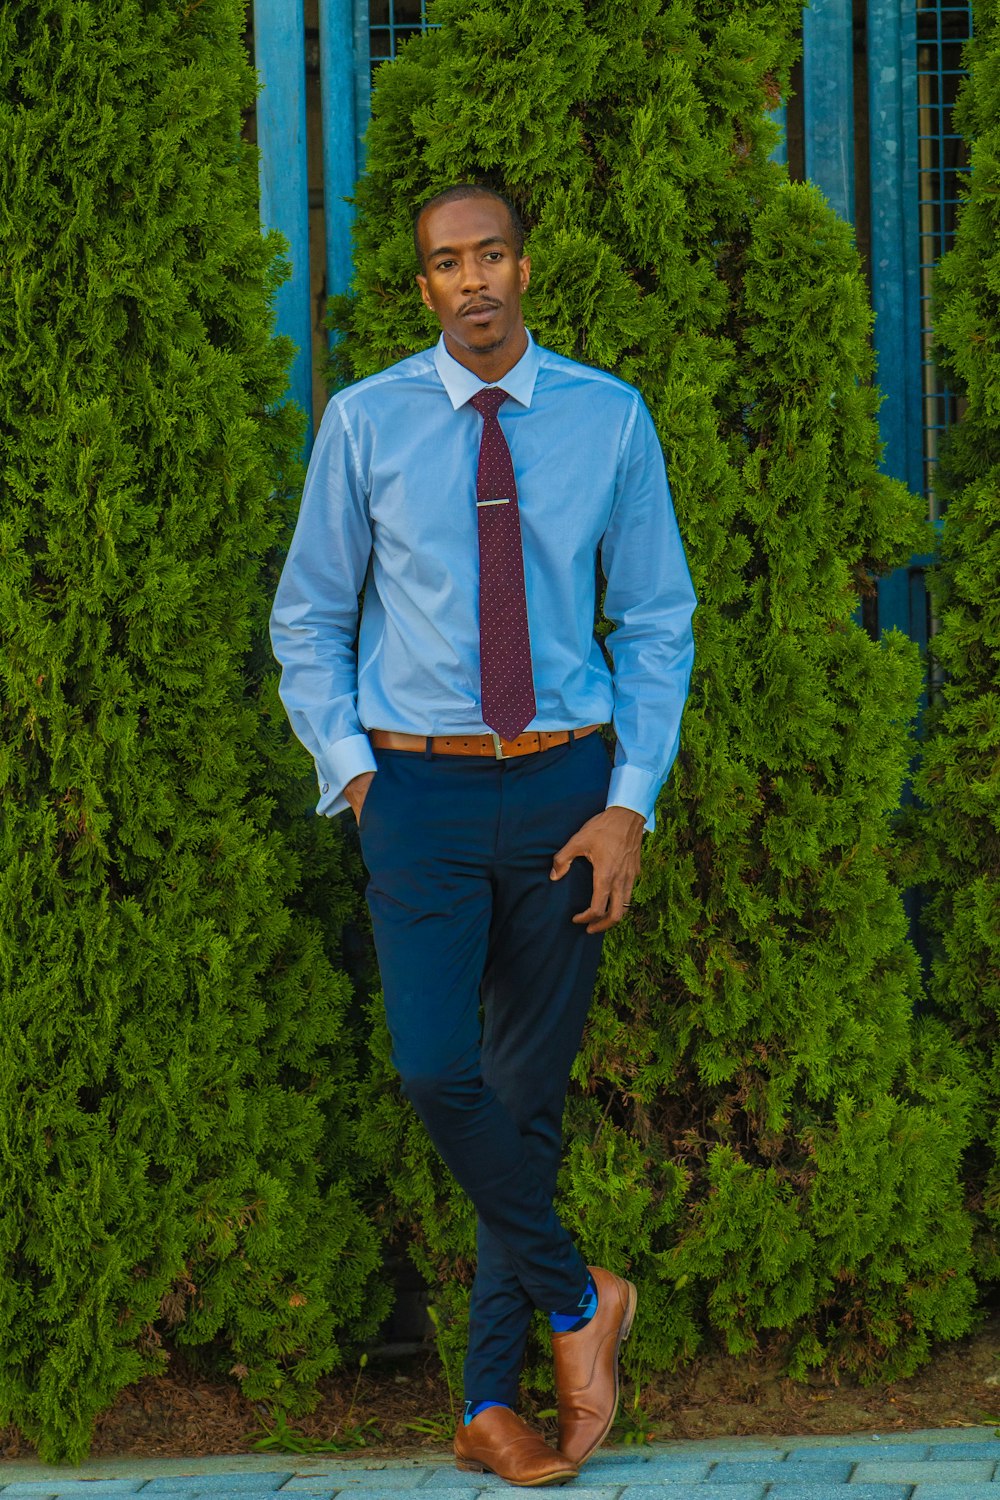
357,790
613,843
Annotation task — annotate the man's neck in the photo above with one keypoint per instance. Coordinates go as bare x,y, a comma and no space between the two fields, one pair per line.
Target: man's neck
490,365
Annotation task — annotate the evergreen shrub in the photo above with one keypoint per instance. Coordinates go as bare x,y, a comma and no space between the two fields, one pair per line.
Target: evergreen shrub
759,1132
959,825
175,1161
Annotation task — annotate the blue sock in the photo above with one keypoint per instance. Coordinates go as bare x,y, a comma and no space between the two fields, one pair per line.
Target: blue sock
473,1411
580,1315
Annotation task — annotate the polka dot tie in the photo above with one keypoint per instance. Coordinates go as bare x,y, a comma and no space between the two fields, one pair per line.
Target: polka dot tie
508,693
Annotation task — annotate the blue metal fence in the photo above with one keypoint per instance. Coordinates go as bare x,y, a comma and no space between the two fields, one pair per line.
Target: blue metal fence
280,55
912,51
943,28
913,64
895,276
392,21
828,100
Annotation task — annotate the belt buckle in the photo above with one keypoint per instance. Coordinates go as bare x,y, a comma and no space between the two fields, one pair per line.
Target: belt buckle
498,746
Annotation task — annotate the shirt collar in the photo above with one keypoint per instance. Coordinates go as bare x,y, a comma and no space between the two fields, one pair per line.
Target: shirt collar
461,384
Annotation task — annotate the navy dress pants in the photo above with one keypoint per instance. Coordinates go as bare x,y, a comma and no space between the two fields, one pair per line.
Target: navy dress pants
487,983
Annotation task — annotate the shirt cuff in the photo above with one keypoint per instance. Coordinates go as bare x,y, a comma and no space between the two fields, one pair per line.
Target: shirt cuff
635,789
341,763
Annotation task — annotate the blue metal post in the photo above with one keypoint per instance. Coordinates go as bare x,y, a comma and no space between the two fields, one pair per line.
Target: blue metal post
828,100
362,78
340,168
279,45
895,272
780,118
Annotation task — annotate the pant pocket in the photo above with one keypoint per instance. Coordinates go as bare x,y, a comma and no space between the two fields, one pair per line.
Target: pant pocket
374,792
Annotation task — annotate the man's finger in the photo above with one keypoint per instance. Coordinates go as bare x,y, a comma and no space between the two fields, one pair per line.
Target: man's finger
598,903
610,918
619,899
564,857
584,918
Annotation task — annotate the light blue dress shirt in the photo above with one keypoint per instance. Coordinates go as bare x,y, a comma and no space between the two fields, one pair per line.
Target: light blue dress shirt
389,507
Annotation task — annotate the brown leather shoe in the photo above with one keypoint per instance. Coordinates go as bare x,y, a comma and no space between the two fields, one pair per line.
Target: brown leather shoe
499,1442
587,1368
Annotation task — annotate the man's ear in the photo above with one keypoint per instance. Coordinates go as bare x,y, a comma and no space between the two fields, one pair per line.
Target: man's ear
525,265
421,281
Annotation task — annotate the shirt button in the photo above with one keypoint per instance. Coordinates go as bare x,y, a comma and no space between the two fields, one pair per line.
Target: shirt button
326,786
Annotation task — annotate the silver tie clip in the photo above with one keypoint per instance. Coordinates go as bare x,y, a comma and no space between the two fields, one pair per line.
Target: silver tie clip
492,502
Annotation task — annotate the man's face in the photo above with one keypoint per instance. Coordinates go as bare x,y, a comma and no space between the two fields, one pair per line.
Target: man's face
473,277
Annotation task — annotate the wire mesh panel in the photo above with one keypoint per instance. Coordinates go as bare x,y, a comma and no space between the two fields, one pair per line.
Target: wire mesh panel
942,31
943,27
390,22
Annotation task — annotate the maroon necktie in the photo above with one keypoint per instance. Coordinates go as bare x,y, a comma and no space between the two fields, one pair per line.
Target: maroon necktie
508,694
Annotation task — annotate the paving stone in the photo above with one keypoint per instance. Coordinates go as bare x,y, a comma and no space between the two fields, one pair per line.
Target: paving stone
437,1492
694,1450
857,1453
744,1456
580,1491
320,1484
734,1450
180,1473
236,1479
94,1487
636,1470
988,1448
923,1471
212,1484
649,1457
450,1492
345,1478
823,1472
631,1457
705,1491
952,1491
921,1437
943,1436
378,1492
447,1477
787,1489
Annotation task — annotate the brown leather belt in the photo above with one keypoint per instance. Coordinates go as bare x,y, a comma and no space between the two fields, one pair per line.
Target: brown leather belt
477,744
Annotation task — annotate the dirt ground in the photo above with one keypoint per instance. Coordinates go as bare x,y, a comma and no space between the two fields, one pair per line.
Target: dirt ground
400,1407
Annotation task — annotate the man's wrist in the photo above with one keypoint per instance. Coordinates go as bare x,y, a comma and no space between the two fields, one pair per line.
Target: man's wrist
337,766
628,814
356,791
619,808
635,789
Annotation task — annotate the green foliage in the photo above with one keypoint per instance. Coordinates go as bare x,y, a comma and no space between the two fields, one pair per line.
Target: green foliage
282,1437
175,1075
959,829
758,1129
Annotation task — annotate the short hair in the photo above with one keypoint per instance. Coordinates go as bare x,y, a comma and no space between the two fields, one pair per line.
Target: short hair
455,194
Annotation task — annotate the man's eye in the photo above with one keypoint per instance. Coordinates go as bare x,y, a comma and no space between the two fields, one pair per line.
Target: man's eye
444,265
494,255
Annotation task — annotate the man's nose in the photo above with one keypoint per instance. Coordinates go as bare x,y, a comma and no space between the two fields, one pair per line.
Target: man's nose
473,275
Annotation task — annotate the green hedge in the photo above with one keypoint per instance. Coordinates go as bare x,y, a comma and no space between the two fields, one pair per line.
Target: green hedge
959,784
759,1131
176,1164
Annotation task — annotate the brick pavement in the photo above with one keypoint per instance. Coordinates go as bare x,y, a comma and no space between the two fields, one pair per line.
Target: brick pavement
934,1465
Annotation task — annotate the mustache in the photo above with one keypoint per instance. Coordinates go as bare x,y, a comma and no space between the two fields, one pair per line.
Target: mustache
478,303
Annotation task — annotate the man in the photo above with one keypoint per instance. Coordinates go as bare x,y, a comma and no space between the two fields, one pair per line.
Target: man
470,491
